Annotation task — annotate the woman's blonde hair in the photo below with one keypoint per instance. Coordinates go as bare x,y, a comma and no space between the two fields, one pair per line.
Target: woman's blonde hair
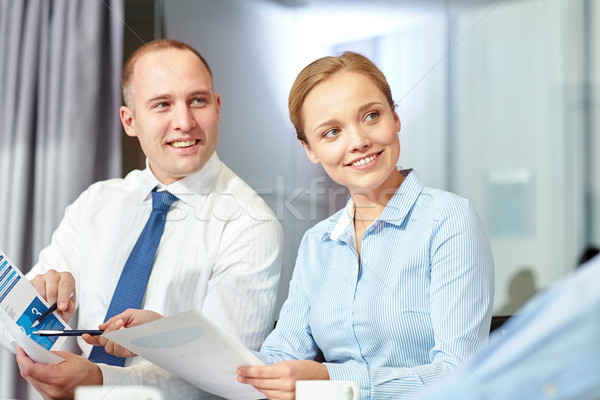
323,68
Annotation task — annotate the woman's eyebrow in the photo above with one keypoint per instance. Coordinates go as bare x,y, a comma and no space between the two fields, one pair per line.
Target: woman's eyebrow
325,123
365,107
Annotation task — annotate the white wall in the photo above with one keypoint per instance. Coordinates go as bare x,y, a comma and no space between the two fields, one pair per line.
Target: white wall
516,94
415,62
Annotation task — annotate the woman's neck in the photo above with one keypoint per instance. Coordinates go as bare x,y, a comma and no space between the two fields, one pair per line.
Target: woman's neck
368,205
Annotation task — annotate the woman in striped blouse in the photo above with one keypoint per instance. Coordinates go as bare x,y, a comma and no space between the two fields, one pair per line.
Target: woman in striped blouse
395,289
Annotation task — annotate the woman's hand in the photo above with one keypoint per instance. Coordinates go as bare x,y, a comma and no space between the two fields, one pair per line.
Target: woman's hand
126,319
278,381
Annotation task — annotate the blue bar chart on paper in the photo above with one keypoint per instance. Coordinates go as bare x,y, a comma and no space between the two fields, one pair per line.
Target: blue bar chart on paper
21,303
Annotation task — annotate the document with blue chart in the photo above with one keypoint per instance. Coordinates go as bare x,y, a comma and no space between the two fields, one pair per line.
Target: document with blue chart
20,306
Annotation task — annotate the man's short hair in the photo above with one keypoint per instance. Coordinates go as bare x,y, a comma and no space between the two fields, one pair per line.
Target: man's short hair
151,47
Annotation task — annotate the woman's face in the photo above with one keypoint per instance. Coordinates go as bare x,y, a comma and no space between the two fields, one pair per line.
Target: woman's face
352,131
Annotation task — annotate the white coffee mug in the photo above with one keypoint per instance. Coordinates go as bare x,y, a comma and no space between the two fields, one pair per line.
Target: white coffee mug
117,393
327,390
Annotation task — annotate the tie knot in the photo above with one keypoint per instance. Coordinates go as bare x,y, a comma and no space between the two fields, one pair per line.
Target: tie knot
162,201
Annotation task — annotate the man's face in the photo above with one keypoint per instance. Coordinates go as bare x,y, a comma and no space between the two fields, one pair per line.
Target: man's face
175,113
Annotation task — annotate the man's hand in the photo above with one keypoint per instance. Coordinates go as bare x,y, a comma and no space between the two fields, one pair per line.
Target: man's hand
57,287
278,381
126,319
59,381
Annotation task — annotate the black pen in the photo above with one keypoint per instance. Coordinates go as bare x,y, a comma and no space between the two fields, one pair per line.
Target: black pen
73,332
49,311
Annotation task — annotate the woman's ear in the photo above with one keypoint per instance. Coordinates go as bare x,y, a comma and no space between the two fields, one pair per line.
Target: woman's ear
309,153
397,122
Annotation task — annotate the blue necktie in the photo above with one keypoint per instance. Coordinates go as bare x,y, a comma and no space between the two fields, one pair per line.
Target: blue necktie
134,278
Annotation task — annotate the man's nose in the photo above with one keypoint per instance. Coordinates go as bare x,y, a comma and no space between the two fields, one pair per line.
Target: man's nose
184,119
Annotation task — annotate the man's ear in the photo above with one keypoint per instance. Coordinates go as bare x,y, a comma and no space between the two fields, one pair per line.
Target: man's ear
310,154
127,121
218,104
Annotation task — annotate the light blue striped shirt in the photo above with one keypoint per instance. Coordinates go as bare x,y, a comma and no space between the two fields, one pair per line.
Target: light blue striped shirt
549,351
416,305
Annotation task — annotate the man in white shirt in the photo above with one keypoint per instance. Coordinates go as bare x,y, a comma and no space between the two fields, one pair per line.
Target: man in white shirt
221,247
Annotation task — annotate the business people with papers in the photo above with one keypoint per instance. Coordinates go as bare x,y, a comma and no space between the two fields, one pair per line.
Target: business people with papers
396,288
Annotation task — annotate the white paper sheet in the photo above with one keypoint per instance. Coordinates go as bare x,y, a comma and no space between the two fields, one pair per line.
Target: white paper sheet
36,352
193,348
20,305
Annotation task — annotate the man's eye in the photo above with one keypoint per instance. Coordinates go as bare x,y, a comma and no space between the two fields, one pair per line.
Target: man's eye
161,105
331,133
199,100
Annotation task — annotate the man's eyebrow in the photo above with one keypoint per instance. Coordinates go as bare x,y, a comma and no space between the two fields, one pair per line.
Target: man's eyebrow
158,97
166,96
200,92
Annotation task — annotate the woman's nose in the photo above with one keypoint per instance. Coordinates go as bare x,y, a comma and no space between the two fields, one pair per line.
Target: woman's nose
361,140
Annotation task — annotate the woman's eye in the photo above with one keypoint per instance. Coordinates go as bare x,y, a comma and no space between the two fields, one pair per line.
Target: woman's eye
331,133
372,116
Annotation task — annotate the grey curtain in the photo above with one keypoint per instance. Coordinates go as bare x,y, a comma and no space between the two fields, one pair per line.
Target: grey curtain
60,68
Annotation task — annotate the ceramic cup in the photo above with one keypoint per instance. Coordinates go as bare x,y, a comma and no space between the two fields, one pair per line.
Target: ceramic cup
117,393
327,390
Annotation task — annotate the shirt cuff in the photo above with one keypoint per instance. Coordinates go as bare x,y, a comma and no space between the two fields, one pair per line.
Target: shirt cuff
117,376
351,372
264,358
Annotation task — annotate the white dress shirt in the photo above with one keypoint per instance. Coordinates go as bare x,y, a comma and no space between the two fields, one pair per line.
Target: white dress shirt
220,253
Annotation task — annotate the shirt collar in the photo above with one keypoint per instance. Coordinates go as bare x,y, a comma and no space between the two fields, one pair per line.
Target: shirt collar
394,212
345,219
186,189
